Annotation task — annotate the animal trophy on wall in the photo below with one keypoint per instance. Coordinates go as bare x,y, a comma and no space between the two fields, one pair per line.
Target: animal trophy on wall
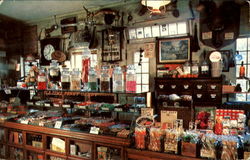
219,23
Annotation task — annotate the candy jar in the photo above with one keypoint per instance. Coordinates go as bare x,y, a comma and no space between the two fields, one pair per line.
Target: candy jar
105,79
54,75
131,79
195,69
65,78
118,80
85,65
42,79
92,78
75,81
187,68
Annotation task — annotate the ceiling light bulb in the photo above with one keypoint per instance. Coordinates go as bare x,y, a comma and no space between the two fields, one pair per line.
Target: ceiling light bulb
155,4
1,1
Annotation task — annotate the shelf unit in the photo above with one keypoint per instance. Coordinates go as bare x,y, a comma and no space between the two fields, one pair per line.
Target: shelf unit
69,137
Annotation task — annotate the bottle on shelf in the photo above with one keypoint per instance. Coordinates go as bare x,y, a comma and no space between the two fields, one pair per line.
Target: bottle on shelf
75,80
41,79
131,79
204,69
65,78
195,69
54,75
242,70
118,80
92,78
105,79
187,68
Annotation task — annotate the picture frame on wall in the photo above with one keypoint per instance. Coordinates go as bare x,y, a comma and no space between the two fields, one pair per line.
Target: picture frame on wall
173,50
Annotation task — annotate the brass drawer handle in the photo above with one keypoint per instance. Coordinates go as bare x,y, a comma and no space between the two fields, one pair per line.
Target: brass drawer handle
173,86
199,95
199,86
186,86
161,86
213,86
213,96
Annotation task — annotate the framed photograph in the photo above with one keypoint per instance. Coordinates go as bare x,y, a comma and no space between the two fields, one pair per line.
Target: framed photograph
139,33
174,50
164,30
132,34
147,32
156,31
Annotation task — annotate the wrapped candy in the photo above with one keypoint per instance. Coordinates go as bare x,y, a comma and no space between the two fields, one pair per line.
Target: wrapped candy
208,146
229,150
155,139
140,134
171,141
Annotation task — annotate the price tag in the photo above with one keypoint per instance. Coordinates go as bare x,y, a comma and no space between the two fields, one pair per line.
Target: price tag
30,103
7,91
94,130
118,109
56,105
58,124
41,124
82,107
66,105
132,110
105,109
47,104
25,121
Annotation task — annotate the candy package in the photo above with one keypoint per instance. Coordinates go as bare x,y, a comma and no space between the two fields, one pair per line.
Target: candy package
171,141
155,139
140,134
208,146
229,150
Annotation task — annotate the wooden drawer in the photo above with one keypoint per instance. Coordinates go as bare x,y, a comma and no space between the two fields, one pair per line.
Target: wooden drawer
199,97
213,97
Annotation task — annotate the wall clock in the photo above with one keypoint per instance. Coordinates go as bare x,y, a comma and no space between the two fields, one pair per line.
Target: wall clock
48,46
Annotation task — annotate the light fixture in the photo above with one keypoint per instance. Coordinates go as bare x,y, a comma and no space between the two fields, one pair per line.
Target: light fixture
155,4
1,1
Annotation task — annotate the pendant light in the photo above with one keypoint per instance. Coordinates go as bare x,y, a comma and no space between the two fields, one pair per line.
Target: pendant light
155,4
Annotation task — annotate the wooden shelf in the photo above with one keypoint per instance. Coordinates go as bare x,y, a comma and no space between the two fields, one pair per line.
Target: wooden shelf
35,149
66,133
149,155
15,145
52,153
72,157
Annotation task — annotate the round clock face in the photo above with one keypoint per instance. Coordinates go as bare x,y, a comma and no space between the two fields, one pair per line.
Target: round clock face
48,50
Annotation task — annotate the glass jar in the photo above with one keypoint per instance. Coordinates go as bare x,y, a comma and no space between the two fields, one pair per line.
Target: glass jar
42,79
92,80
85,65
75,81
187,68
131,79
195,69
118,80
104,79
205,68
65,78
54,75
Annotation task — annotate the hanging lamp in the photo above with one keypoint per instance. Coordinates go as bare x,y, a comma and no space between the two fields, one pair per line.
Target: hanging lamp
155,5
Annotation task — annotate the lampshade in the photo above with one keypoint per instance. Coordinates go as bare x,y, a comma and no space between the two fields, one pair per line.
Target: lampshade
155,4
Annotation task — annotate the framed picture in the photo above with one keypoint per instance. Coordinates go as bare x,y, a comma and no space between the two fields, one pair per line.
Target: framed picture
111,45
174,50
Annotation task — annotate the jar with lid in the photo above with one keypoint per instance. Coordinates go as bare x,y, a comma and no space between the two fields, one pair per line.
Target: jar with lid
204,69
92,78
42,79
118,80
195,69
75,80
65,78
187,68
105,79
54,75
131,79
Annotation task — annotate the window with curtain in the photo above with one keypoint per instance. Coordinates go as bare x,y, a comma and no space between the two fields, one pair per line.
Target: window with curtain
142,72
